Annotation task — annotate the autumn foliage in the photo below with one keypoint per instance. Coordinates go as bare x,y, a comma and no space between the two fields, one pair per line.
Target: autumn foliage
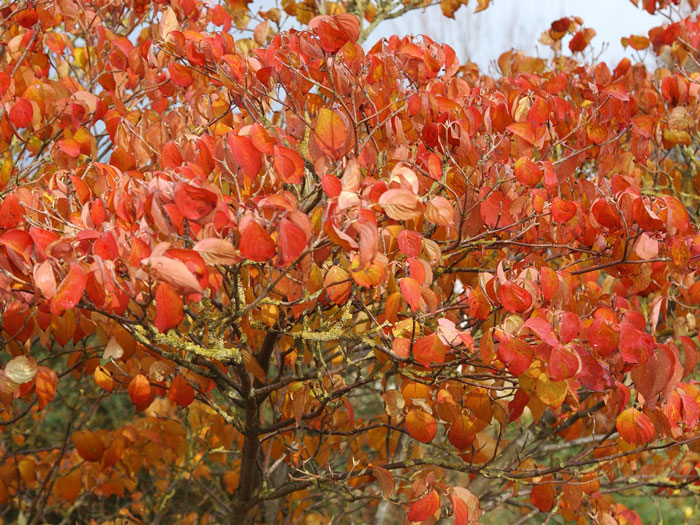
256,268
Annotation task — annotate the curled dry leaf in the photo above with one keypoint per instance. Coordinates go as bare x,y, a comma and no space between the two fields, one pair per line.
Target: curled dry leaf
173,272
401,204
21,369
217,251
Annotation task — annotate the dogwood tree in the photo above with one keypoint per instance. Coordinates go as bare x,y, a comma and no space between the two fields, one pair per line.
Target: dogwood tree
254,267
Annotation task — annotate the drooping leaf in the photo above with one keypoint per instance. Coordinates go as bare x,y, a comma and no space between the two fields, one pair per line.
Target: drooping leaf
181,392
169,308
45,383
139,390
635,427
192,202
256,244
425,507
421,425
70,291
331,133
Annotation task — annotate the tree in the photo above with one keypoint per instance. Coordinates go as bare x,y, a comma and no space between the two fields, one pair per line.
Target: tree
282,277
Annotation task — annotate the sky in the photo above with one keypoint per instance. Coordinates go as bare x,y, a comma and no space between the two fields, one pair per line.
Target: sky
518,24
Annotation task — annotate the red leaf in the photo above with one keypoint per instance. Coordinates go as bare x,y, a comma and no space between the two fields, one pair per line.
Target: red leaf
288,164
514,298
256,244
425,507
245,154
602,337
292,241
563,210
11,212
169,308
635,346
170,156
651,377
635,427
70,291
515,353
606,214
527,172
410,243
563,364
192,202
421,426
542,329
21,113
181,392
331,133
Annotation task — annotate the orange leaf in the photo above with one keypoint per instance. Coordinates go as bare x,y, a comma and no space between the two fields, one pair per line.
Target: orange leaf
174,272
88,444
410,243
180,75
139,390
429,349
439,211
635,427
70,147
45,280
542,496
527,172
103,378
462,432
45,382
338,285
421,426
170,156
386,480
169,308
331,133
411,292
524,130
425,507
